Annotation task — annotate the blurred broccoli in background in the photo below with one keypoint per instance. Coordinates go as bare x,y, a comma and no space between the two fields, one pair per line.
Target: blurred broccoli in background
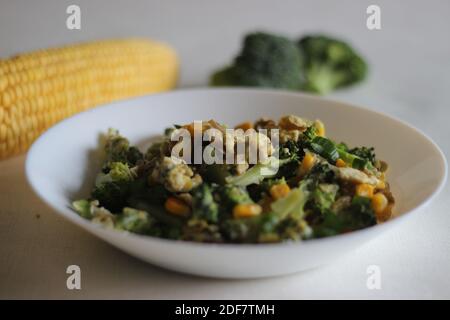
317,63
266,60
329,64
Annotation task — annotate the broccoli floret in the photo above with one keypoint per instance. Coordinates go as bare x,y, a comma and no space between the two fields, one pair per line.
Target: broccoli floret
134,220
294,228
120,172
324,196
155,151
111,195
214,173
358,215
330,64
233,195
266,60
241,230
134,155
203,204
83,208
118,149
258,191
320,174
93,211
224,78
112,188
200,230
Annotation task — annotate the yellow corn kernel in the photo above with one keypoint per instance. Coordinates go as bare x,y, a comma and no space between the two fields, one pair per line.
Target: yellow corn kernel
379,203
381,185
320,128
246,210
307,163
177,206
57,83
365,190
244,126
279,191
340,163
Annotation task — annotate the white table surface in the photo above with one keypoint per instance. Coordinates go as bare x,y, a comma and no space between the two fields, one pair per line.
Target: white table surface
409,79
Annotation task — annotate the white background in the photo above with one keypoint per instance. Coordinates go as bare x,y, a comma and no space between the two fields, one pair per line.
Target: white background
409,79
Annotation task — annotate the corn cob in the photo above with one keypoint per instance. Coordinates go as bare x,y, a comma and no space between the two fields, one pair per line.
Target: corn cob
38,89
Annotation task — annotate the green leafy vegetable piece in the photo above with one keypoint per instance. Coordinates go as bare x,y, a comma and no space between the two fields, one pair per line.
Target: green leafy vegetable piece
325,147
332,151
365,153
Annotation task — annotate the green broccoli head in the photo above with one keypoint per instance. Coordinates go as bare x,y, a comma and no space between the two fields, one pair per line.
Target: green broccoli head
203,204
120,172
232,195
118,149
112,188
358,215
324,196
266,60
200,230
241,230
134,220
330,64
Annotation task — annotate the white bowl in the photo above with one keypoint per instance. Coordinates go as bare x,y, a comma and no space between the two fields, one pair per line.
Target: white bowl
62,163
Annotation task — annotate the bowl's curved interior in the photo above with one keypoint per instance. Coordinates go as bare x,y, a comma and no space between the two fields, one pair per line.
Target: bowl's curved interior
62,163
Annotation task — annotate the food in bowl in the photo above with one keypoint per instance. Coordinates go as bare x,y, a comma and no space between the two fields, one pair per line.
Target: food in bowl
290,183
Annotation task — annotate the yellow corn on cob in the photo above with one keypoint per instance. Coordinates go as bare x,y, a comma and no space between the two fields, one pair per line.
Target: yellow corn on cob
40,88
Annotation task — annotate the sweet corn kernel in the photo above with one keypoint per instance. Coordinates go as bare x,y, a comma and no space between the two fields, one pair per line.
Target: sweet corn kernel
307,163
279,191
246,210
177,206
365,190
320,128
340,163
379,203
381,185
